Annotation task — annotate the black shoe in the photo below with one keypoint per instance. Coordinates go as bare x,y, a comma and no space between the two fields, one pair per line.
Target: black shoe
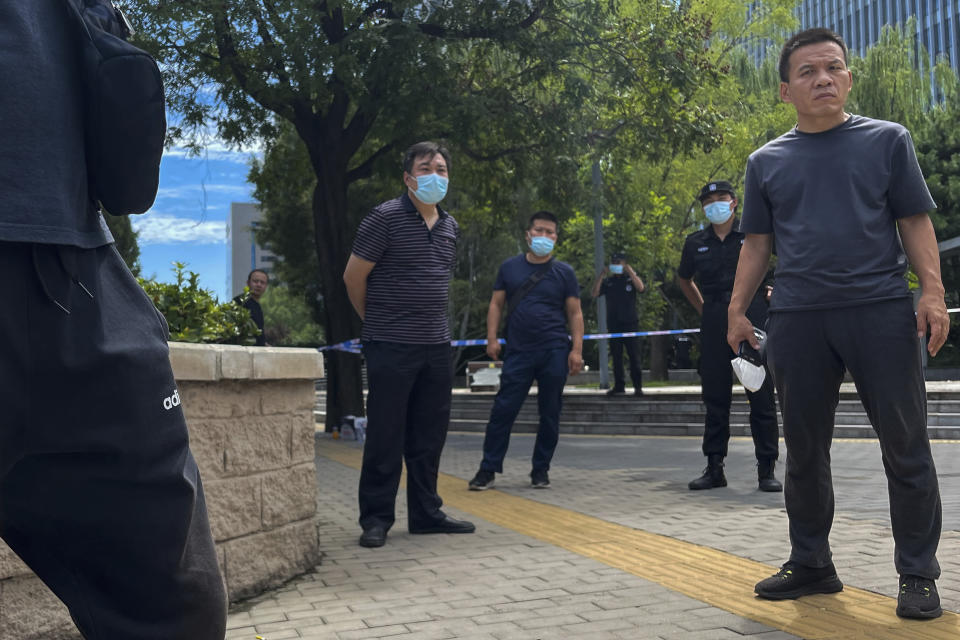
445,524
918,598
795,580
767,481
539,479
482,481
712,475
616,392
375,536
638,393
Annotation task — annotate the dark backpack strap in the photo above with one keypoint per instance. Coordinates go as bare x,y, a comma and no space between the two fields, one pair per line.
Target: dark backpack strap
527,285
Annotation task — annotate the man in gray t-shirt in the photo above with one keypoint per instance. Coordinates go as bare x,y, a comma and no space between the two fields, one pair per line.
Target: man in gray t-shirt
845,201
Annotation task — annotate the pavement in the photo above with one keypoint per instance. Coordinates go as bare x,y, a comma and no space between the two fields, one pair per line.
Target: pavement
617,547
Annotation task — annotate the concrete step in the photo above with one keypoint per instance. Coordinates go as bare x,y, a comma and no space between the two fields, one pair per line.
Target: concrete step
667,412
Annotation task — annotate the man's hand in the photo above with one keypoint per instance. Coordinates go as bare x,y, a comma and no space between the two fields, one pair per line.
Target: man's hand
932,311
493,349
575,362
740,329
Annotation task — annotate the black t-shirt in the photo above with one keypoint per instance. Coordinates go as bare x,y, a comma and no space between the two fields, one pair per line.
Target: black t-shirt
256,312
714,262
621,302
43,173
540,319
832,200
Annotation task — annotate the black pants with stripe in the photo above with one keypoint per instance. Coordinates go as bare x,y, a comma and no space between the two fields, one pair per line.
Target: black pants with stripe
408,413
99,493
807,351
716,377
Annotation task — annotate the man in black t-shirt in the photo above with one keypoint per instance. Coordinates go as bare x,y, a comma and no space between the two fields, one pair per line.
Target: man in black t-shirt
257,284
845,200
711,255
99,493
620,284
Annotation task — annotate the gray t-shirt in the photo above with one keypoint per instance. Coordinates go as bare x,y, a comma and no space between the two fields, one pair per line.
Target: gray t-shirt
43,175
831,200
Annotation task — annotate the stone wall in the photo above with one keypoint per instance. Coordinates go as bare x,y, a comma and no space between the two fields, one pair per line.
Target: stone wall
250,415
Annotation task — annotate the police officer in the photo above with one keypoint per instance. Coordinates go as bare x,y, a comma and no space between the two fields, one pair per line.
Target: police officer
620,284
711,254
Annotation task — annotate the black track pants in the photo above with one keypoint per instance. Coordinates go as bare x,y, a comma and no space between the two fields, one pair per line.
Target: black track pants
99,493
807,352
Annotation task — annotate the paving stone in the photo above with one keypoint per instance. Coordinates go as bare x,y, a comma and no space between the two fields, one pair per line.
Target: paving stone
498,584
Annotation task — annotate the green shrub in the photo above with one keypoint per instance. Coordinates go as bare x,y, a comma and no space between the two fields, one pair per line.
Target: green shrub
195,315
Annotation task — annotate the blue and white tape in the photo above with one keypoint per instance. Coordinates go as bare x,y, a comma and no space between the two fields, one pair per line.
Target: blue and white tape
354,346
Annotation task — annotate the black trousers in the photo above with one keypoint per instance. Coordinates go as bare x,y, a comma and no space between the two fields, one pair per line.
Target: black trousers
408,413
716,377
632,347
99,493
807,352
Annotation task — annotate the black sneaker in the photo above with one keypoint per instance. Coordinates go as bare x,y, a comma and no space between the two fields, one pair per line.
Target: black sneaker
482,481
616,392
795,580
918,598
539,479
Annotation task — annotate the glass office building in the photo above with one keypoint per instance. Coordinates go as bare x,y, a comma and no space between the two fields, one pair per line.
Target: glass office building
860,22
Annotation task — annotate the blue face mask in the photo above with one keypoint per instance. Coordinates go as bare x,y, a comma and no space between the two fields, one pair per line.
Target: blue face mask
431,188
718,212
541,245
616,269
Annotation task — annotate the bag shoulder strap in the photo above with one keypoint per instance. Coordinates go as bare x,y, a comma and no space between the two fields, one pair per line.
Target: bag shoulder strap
527,285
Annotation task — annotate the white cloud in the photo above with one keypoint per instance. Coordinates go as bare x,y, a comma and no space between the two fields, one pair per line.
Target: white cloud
163,229
216,151
190,191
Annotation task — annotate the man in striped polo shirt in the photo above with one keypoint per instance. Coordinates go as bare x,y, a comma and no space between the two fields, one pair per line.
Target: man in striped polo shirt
398,279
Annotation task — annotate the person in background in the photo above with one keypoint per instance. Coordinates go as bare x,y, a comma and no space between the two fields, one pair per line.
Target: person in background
544,335
711,255
620,284
257,283
398,279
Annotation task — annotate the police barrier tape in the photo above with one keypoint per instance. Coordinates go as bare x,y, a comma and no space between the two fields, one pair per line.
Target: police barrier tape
354,346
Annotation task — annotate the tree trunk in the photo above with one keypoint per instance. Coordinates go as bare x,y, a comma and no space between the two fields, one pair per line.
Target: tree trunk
659,350
332,236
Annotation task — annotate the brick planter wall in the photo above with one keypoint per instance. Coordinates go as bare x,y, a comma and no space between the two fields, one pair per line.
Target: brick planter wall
250,415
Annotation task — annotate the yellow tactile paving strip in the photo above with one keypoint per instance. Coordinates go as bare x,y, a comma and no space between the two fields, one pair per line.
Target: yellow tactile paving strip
714,577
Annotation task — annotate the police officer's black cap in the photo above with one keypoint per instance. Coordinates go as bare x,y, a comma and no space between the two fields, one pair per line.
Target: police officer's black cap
715,187
618,255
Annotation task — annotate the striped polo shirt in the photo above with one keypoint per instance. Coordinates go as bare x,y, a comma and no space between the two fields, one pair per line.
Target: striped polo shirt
409,288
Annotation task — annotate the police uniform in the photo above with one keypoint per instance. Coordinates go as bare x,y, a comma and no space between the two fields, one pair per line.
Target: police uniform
621,297
714,264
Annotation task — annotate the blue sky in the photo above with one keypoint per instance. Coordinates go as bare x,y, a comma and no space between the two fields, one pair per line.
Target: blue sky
187,223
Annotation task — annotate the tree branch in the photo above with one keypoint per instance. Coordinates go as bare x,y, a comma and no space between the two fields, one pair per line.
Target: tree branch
230,59
365,169
482,33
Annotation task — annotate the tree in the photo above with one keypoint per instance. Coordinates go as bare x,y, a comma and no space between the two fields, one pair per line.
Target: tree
288,321
125,239
893,82
506,81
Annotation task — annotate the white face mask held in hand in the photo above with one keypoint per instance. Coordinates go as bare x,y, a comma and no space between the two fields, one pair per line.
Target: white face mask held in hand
748,365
